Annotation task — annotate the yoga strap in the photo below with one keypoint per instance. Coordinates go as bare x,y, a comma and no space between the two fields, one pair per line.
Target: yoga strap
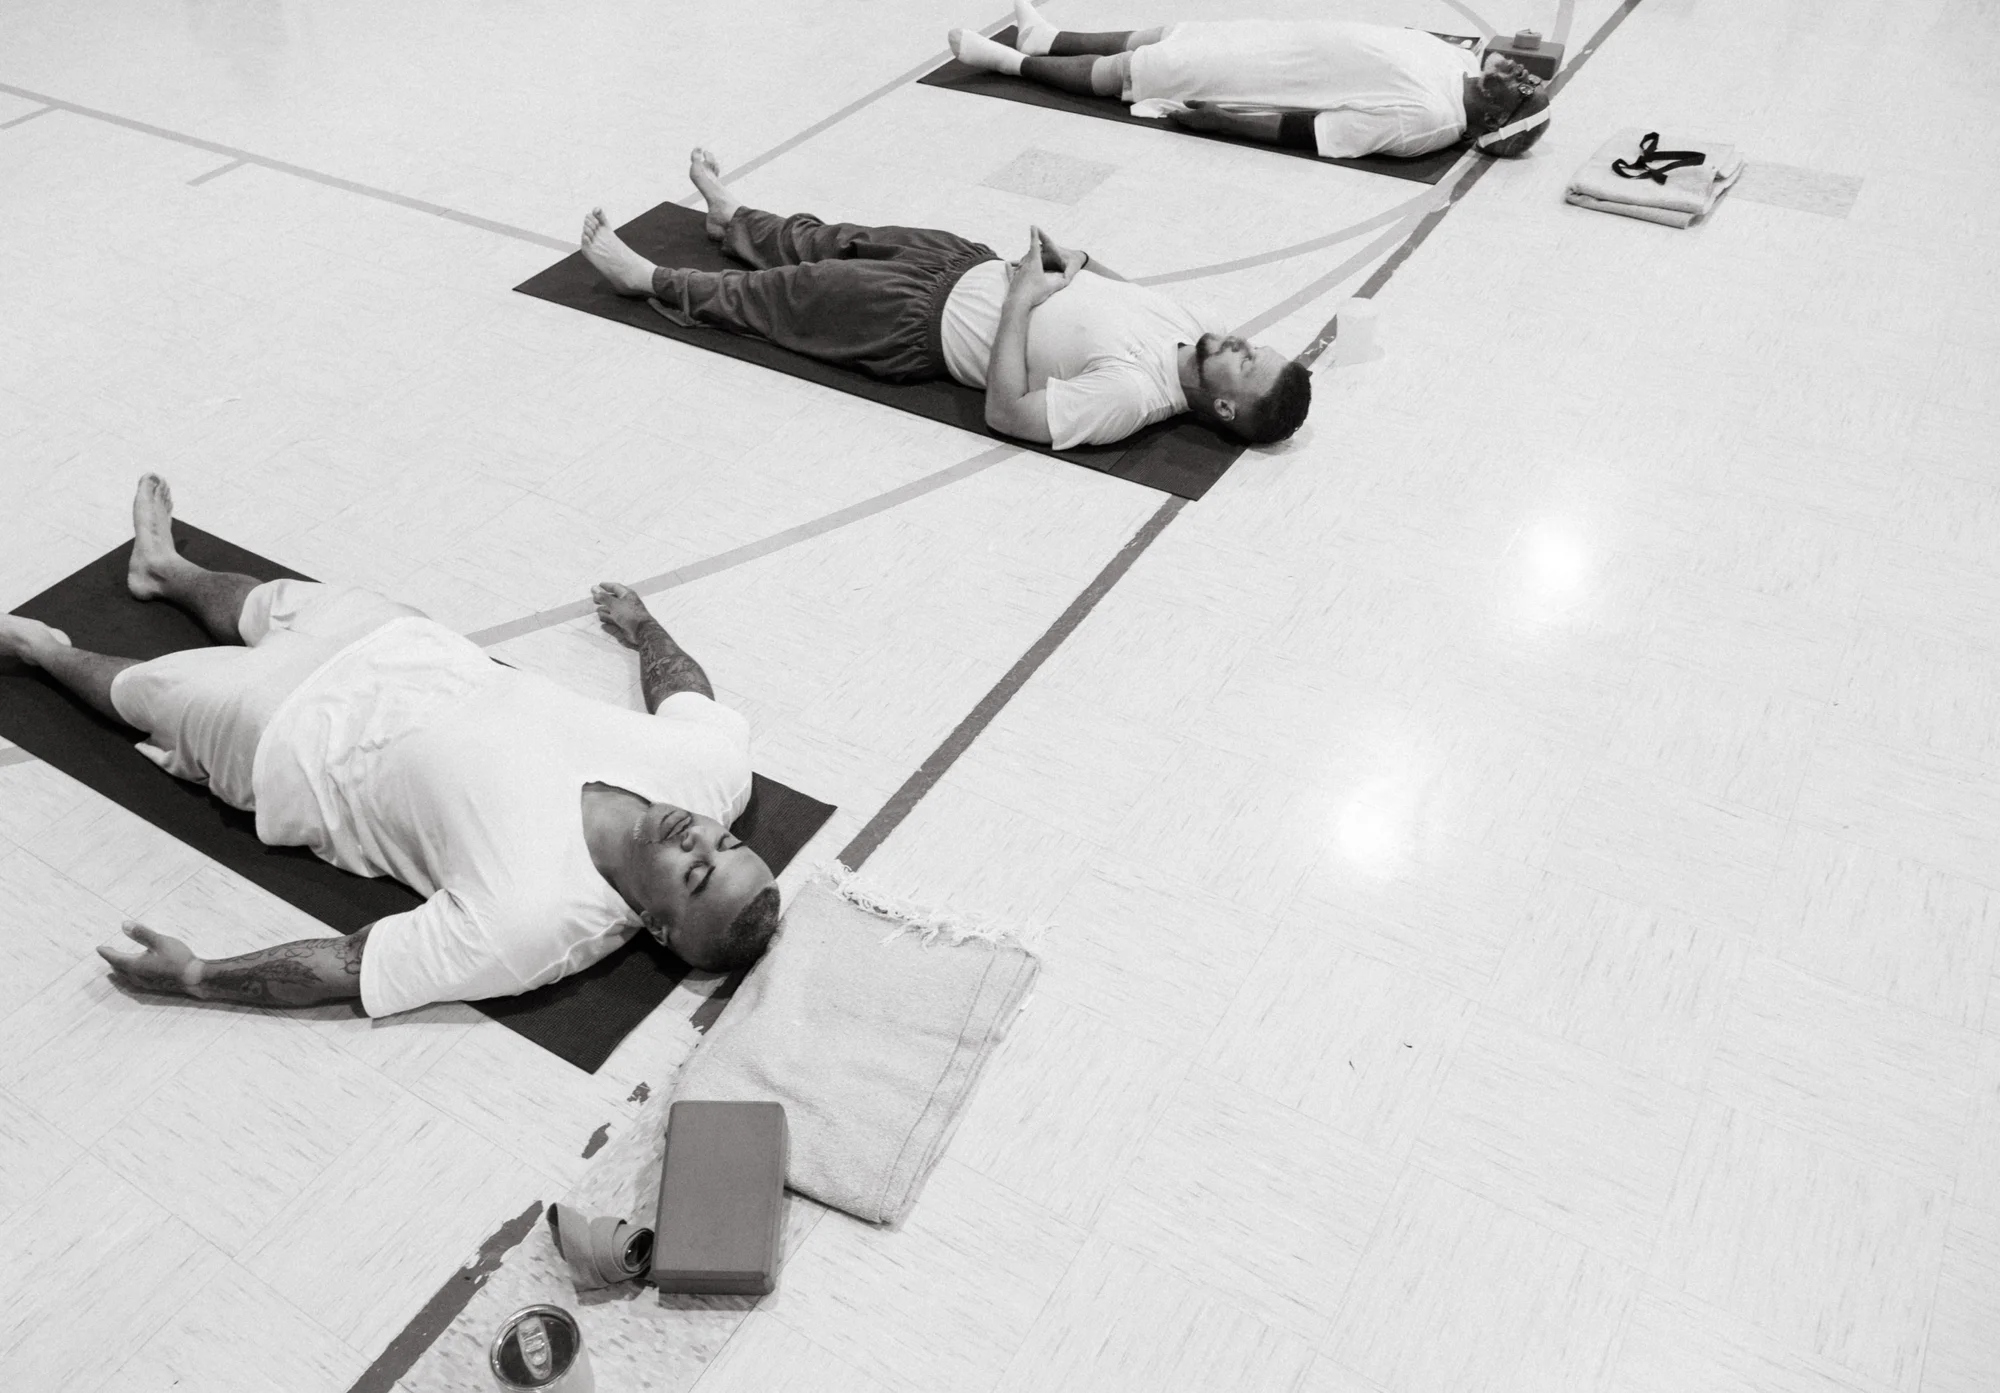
1653,162
1492,138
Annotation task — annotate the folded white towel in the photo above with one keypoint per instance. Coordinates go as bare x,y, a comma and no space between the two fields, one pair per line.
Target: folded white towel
870,1021
1683,197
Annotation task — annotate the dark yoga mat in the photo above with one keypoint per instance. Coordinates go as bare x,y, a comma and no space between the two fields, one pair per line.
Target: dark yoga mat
581,1018
955,76
1177,456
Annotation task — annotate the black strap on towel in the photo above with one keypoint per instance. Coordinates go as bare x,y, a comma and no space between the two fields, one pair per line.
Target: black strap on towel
1653,162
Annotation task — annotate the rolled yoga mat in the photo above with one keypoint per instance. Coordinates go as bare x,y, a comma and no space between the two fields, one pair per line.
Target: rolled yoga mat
1178,456
581,1018
955,76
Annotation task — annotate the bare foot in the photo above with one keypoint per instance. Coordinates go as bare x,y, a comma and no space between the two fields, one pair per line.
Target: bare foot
153,552
628,272
620,610
706,173
28,639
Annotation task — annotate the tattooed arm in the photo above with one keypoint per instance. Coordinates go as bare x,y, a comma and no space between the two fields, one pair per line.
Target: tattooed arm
664,666
292,974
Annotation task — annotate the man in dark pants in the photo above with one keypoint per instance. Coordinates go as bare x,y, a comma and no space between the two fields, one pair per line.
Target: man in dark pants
1063,358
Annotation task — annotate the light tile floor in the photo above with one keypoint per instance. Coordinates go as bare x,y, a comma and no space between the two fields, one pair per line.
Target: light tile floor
1522,857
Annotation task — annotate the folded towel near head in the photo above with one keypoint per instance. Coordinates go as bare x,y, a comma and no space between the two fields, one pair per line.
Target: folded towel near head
870,1021
1642,174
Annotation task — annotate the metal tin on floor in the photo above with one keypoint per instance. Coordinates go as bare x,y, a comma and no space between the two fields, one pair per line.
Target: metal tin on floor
540,1348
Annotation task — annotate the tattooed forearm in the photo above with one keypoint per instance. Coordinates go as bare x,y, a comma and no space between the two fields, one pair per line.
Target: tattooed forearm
292,974
665,668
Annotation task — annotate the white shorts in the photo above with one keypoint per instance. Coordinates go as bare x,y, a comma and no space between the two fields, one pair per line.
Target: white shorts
1222,61
205,709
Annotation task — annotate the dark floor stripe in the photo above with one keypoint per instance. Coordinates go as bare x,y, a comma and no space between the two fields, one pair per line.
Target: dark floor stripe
332,181
444,1307
201,179
906,798
1583,55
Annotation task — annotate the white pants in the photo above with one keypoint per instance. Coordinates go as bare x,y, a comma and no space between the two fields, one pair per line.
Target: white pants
205,709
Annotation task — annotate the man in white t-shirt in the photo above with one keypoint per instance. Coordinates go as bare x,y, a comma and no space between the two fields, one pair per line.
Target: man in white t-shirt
1339,89
1064,359
543,827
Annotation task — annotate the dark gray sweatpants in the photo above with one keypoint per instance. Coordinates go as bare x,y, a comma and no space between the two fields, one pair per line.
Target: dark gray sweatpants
864,297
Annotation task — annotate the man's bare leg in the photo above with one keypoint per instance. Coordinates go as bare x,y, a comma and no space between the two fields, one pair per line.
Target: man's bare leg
159,572
87,674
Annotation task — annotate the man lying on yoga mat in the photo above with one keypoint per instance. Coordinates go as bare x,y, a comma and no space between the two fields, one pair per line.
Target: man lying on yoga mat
1341,89
545,827
1063,360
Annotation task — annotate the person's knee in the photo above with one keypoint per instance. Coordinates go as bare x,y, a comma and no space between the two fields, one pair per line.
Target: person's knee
272,605
130,709
1139,38
1109,75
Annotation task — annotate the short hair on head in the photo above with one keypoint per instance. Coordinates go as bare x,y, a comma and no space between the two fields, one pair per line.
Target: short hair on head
1514,90
1520,142
749,934
1280,411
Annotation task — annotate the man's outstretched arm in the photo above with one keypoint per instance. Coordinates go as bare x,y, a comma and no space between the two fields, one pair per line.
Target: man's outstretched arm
664,666
305,973
1292,129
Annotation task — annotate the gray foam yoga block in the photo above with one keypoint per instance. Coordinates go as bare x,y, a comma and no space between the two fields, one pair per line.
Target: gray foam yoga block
722,1191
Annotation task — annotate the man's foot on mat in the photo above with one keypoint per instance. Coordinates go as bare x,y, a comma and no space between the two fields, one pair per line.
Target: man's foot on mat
153,550
975,50
28,639
706,173
620,611
628,272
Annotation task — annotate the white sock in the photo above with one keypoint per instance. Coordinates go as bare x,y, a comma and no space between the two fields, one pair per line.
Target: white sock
1036,33
977,51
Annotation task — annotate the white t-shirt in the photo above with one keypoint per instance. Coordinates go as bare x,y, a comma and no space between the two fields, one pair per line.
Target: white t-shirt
1105,351
1378,89
412,754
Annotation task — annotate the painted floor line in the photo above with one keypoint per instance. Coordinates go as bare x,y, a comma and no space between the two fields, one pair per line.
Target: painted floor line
1486,31
297,171
1408,208
905,799
753,551
1565,17
201,179
786,146
24,120
1320,285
